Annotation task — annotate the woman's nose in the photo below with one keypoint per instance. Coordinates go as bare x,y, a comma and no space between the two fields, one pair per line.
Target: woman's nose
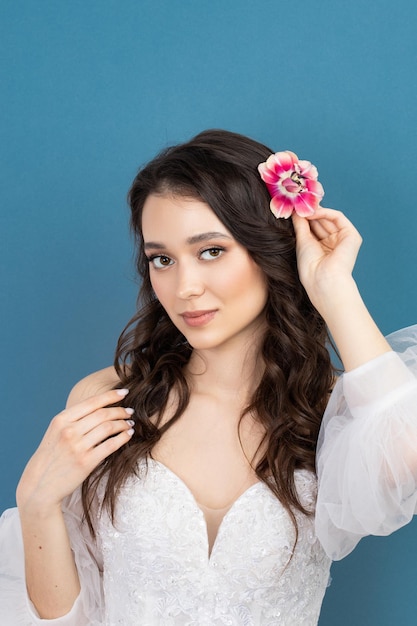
189,283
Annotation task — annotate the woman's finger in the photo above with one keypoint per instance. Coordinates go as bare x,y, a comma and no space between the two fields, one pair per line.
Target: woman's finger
326,213
108,447
327,225
92,404
102,416
319,229
332,219
105,429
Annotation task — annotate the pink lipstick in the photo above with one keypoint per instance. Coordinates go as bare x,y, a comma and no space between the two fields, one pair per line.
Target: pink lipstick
198,318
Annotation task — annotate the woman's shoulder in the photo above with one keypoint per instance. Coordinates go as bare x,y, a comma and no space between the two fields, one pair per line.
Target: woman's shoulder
93,384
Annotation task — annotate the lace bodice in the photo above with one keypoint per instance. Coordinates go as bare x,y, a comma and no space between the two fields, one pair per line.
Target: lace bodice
160,549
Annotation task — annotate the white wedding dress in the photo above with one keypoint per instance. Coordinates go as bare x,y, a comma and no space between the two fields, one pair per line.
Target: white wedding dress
153,567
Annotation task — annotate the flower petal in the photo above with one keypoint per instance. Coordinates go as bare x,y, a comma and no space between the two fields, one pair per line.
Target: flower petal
267,175
282,161
315,187
281,206
307,169
305,204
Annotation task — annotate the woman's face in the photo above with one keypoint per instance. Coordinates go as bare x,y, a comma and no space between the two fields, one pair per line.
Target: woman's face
206,281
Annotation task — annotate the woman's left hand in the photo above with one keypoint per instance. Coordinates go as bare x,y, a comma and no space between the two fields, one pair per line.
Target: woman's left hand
327,247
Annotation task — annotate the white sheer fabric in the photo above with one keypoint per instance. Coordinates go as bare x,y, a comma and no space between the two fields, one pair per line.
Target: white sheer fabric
155,559
367,459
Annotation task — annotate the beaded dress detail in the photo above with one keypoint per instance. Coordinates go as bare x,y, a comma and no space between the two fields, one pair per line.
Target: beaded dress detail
159,548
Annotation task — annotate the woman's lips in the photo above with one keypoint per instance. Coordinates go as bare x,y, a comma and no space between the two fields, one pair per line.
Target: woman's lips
198,318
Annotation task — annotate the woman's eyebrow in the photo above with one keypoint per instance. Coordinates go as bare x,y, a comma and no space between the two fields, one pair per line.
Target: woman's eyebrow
156,245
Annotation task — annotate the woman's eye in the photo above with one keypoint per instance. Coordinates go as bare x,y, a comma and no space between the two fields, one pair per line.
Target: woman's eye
211,253
160,261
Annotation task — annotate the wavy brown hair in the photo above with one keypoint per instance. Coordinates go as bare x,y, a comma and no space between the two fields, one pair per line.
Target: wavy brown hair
220,169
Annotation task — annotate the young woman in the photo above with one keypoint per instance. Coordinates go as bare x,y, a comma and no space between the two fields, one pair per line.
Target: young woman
189,483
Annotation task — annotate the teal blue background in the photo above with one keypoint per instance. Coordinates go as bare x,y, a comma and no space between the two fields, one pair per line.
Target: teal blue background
92,89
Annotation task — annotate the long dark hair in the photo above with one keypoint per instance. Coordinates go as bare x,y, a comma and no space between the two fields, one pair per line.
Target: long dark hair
220,169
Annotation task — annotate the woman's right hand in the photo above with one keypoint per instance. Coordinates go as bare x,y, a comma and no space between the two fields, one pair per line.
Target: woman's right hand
77,440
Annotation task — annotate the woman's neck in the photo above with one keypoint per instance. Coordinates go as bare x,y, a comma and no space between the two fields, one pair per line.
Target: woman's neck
229,372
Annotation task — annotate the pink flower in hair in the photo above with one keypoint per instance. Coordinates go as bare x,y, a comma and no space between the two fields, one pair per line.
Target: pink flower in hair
292,183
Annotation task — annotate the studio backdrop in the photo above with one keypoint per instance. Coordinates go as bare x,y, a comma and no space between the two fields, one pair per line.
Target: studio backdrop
91,90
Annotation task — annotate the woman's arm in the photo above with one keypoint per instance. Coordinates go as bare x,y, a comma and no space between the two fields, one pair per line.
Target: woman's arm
77,440
327,247
367,452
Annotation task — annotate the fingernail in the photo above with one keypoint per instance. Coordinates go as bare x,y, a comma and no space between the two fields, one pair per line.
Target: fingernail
130,422
130,431
123,392
130,411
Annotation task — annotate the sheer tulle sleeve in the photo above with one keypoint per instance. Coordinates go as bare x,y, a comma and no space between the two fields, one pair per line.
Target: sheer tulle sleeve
367,451
15,606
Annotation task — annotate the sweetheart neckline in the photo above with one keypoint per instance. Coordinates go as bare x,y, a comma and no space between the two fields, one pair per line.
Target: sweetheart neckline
186,488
